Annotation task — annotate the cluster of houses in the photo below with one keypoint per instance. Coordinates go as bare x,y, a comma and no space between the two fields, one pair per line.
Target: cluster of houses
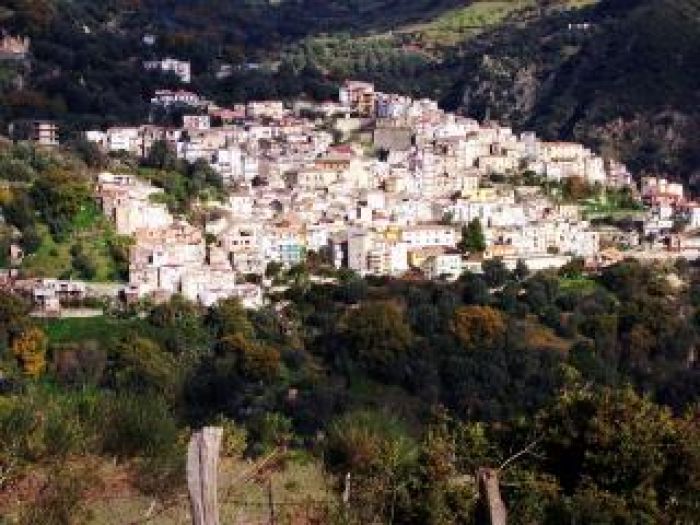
378,183
168,255
180,68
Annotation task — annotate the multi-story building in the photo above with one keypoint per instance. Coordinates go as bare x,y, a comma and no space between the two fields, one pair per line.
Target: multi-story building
180,68
45,133
358,96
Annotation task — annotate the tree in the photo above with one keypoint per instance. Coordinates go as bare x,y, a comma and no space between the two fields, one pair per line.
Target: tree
476,291
229,317
202,176
521,271
378,453
615,447
29,348
377,336
435,498
58,196
472,237
495,272
90,153
139,365
541,291
254,361
479,326
273,269
573,269
31,240
85,266
162,156
14,317
182,331
575,189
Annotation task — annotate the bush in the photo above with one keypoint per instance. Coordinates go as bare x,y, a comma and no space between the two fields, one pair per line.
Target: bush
60,501
43,425
31,240
85,266
235,438
269,431
138,426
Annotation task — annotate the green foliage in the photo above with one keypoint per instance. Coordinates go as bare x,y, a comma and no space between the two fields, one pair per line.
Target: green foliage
59,196
49,199
162,156
377,336
13,318
253,360
235,438
180,326
472,237
79,364
618,448
229,317
436,497
138,426
42,426
459,24
140,365
359,380
495,272
182,183
269,431
377,452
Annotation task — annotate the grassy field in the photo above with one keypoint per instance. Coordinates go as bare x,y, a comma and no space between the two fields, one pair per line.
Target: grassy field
457,25
299,490
103,329
578,284
93,232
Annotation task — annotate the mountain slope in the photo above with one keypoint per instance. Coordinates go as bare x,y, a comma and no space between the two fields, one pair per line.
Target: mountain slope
629,83
621,75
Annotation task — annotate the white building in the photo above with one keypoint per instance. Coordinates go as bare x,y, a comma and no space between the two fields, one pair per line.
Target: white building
180,68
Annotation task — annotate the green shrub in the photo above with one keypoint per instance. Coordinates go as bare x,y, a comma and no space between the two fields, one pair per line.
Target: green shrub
138,426
270,430
235,438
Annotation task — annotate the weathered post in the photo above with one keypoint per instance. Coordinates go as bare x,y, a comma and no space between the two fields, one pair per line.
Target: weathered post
271,502
346,490
490,493
202,467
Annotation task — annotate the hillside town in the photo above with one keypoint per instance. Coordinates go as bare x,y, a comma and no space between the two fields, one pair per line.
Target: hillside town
379,184
344,262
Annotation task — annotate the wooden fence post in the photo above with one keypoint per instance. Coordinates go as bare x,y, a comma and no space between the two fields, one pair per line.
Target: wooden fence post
202,467
490,492
346,490
271,501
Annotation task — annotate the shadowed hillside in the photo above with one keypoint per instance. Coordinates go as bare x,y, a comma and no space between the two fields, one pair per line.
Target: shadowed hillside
628,82
621,75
